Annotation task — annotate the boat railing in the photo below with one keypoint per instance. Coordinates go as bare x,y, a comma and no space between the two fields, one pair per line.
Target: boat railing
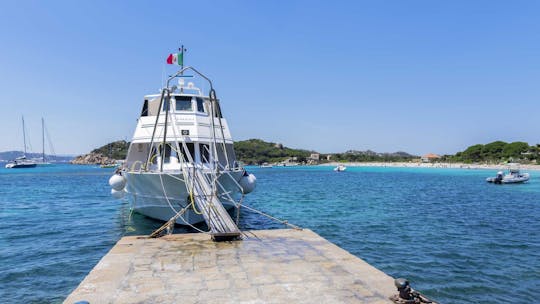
181,72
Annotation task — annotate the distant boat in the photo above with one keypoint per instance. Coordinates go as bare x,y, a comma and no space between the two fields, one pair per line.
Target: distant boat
109,166
21,162
514,176
43,161
340,168
266,165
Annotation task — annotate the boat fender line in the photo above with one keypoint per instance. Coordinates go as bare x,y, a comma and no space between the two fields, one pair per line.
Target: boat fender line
248,182
191,203
407,295
117,182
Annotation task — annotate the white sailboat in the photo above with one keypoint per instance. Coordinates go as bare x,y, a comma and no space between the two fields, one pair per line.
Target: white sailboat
43,161
22,161
181,163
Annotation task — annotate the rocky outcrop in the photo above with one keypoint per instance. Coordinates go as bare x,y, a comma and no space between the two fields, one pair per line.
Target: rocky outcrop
93,159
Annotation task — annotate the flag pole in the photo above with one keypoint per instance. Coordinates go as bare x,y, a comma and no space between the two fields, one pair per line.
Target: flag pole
182,52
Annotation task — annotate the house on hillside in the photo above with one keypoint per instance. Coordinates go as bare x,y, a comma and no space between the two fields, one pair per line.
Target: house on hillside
313,159
430,157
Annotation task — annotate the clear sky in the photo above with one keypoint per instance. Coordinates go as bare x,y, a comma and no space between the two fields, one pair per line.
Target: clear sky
415,76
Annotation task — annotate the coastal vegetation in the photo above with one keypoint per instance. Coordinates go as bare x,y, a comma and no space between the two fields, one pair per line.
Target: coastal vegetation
256,151
107,154
116,150
371,156
496,152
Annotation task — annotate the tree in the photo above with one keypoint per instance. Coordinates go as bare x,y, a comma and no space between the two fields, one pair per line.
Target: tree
514,150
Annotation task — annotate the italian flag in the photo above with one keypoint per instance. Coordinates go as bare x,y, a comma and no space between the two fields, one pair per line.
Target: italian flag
177,59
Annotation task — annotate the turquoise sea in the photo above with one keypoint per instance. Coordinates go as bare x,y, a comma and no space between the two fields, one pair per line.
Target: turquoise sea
454,236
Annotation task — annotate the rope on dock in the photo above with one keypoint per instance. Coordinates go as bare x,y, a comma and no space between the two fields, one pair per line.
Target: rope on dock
177,215
170,223
215,220
284,222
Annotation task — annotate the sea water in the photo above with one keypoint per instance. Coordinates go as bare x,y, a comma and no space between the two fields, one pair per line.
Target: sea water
457,238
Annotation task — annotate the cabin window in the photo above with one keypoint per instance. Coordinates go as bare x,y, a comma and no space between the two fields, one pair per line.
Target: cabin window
191,150
183,103
144,111
200,104
166,155
205,153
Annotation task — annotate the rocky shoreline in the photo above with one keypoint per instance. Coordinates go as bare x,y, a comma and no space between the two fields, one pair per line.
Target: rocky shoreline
93,159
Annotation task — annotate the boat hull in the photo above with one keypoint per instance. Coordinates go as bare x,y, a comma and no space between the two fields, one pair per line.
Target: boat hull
516,180
20,166
161,195
509,179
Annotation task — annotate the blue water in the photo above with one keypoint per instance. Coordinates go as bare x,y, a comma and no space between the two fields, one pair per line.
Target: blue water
454,236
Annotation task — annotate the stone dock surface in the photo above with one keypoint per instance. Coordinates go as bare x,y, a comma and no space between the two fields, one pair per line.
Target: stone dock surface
268,266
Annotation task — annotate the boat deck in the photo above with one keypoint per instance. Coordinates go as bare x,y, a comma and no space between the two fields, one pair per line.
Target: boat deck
270,266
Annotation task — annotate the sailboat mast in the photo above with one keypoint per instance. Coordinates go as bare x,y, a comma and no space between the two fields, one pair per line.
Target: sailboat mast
24,135
43,139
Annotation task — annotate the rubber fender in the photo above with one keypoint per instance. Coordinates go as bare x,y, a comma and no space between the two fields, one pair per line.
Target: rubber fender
248,183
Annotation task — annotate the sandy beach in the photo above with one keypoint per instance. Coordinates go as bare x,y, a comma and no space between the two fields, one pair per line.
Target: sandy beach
432,165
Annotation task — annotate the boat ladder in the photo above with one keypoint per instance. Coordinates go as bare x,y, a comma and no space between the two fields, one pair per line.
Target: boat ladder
222,227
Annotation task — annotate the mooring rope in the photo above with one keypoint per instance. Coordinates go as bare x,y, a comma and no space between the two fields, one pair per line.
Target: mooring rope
284,222
177,212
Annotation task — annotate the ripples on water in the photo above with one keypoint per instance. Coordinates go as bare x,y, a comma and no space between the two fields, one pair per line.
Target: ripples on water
457,238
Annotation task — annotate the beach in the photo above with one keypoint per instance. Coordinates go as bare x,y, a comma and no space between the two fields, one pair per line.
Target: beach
432,165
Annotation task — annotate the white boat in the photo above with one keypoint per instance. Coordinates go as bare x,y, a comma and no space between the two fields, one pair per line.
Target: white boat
340,168
108,166
22,161
513,176
43,161
266,165
181,153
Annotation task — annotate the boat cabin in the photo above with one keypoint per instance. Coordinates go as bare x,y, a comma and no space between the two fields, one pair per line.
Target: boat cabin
190,123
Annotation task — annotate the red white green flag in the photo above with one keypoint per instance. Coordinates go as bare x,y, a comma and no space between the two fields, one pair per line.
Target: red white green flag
177,59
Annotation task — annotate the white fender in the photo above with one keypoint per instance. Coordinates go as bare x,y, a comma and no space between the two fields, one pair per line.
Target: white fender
118,194
248,183
117,182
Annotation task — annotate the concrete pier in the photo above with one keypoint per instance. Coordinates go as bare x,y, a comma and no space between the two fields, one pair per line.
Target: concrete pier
276,266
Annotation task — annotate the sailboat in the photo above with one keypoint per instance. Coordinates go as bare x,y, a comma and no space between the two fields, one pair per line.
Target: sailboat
43,161
21,162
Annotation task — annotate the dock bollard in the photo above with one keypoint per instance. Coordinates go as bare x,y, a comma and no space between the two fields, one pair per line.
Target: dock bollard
407,295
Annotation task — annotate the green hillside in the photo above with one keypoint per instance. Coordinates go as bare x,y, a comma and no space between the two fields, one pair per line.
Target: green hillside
116,150
256,151
497,152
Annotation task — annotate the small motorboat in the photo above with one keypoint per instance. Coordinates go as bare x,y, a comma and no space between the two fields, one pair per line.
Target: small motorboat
105,166
266,165
340,168
514,176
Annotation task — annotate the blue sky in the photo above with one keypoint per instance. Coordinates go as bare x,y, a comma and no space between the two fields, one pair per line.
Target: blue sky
415,76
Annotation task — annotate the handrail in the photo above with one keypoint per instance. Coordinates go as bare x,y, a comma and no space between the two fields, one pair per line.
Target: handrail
194,70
